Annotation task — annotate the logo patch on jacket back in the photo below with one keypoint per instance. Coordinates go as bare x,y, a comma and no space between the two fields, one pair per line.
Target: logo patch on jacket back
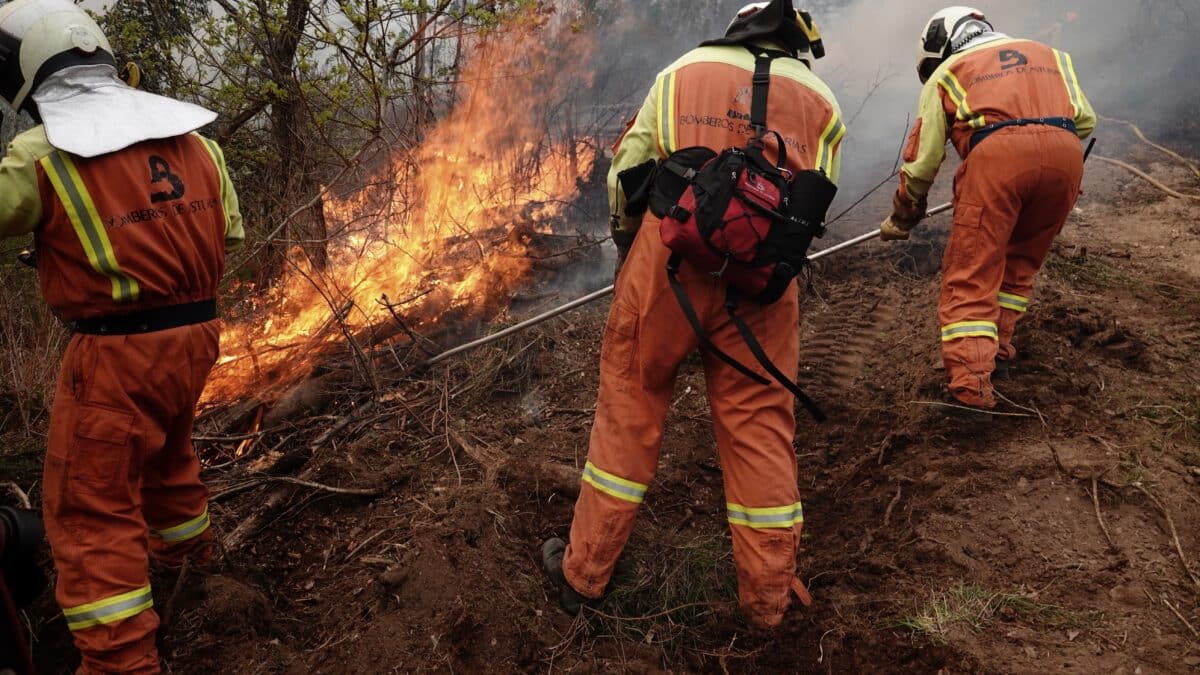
160,172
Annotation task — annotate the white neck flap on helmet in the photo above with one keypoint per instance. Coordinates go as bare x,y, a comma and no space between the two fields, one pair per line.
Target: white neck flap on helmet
88,111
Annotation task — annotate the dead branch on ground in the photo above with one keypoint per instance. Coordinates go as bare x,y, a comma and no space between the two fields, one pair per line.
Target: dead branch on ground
1167,151
1146,177
1174,533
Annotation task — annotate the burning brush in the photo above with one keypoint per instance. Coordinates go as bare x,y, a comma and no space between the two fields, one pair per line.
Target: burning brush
446,229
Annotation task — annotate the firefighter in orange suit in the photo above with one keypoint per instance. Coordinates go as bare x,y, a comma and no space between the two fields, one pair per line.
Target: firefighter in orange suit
1015,112
131,214
703,99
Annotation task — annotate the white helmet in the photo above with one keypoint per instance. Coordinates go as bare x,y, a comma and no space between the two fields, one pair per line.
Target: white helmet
56,64
41,37
948,31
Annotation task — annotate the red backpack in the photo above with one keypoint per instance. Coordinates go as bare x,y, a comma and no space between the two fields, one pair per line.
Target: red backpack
740,218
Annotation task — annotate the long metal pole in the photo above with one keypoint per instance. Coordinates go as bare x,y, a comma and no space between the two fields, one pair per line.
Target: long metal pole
592,297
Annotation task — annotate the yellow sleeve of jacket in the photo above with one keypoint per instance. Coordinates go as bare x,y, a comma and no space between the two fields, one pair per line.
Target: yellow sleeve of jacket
20,198
235,232
924,152
1085,115
636,147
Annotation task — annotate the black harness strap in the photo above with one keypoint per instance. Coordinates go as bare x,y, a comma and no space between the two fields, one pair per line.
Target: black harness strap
760,95
756,348
758,121
1057,122
689,311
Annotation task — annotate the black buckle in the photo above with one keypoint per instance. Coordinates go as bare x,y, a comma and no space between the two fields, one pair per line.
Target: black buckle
679,213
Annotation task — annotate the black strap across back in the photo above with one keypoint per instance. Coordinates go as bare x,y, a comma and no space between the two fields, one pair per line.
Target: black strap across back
758,121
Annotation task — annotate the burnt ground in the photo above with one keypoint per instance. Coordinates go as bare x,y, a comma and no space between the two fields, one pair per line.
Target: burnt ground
931,544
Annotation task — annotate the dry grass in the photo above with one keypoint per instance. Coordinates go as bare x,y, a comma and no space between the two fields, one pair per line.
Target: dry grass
31,344
970,609
668,592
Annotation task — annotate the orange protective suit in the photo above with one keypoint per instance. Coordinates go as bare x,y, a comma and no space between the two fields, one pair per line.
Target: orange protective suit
1013,192
136,233
703,99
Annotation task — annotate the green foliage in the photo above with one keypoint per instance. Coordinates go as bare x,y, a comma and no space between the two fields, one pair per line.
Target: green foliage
152,33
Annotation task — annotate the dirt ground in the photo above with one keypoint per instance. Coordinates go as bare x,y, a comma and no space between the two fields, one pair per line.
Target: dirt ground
930,544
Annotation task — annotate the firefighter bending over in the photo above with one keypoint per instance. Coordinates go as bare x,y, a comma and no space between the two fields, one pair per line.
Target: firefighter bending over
704,99
1015,112
131,214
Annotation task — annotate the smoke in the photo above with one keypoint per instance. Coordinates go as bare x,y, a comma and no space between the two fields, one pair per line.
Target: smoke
1134,60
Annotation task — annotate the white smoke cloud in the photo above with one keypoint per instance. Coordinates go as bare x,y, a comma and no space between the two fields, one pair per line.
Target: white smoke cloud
1134,59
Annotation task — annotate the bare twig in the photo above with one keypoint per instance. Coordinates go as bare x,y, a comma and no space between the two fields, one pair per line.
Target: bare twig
1146,177
1174,533
939,404
366,542
233,439
1100,517
1035,411
887,515
1176,612
1167,151
357,492
22,498
250,525
651,617
168,613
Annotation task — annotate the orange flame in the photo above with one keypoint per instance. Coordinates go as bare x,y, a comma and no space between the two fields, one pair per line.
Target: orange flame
441,232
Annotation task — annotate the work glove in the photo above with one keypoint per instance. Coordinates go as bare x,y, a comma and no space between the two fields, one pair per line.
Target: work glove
894,229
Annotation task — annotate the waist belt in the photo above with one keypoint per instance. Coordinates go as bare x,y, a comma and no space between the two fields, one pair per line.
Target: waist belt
150,321
1060,122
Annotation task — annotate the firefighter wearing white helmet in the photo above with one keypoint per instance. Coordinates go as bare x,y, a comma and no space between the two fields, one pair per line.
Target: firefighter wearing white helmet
1015,112
131,213
950,31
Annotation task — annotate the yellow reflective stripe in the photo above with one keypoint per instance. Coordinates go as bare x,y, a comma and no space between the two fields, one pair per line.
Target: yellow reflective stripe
1067,67
218,158
184,531
109,610
952,86
772,517
966,329
73,194
827,146
1014,302
614,486
666,114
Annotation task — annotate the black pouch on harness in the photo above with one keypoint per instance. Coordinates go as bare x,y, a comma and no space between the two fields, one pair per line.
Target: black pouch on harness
636,183
674,176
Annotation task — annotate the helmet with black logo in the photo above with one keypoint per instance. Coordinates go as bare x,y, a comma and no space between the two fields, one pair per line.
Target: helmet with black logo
947,32
778,20
41,37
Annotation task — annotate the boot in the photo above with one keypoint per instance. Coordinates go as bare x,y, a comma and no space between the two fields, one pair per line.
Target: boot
571,600
1005,370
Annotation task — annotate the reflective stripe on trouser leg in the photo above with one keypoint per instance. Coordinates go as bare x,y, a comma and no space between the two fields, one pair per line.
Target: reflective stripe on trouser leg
1014,302
184,531
774,517
613,485
967,329
109,610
